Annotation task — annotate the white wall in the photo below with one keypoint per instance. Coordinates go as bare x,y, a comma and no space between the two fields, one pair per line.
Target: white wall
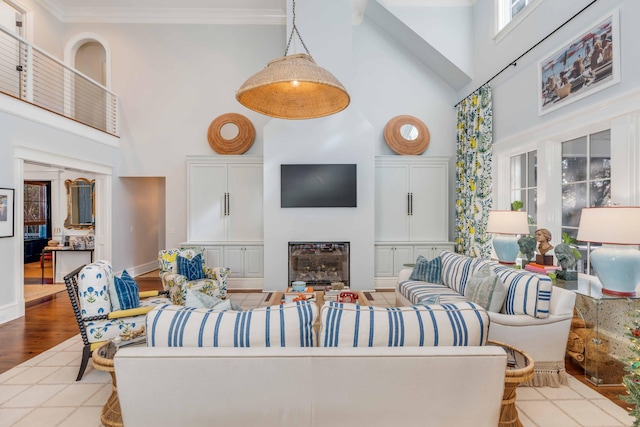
448,29
516,90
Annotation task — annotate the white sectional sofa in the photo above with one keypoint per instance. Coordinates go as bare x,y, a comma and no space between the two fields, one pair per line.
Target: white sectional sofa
370,366
535,317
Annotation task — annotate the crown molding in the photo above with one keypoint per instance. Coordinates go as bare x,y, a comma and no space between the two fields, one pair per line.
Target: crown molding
133,15
428,3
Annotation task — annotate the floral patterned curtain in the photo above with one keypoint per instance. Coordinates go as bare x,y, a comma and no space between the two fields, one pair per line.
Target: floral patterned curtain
473,173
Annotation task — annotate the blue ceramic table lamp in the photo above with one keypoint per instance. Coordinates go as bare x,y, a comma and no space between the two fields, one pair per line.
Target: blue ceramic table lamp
506,225
617,267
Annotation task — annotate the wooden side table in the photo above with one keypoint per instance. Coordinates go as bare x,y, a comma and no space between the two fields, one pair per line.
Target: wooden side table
111,415
519,369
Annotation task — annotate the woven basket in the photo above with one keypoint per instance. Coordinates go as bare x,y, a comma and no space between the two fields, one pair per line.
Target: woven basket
238,145
398,143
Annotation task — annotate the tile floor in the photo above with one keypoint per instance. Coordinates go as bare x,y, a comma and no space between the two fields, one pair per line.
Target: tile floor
43,390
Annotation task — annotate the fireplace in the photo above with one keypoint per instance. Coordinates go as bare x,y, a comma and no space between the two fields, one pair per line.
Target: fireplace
319,263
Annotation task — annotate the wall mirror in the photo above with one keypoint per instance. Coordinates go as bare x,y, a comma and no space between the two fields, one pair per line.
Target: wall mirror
80,204
407,135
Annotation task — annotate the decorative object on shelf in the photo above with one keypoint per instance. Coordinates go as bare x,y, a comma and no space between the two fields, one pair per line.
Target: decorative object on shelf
543,237
237,145
527,245
618,268
299,286
585,64
6,212
294,86
567,261
407,135
506,225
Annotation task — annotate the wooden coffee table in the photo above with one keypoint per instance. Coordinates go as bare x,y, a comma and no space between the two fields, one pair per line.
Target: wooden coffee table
276,298
519,369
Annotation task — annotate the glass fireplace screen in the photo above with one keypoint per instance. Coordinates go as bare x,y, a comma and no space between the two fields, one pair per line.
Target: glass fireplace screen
319,263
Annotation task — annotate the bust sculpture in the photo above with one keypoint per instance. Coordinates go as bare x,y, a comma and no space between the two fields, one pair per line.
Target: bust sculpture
543,237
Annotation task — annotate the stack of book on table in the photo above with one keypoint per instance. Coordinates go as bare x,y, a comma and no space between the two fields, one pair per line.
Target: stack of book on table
542,269
332,294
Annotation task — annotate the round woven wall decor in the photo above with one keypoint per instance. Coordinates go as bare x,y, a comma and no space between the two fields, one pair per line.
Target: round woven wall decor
393,135
238,145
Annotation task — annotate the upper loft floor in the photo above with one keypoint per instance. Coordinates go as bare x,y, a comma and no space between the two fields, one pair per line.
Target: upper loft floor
32,75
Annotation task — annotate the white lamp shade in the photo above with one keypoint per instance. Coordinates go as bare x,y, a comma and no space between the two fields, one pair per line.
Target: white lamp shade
619,225
508,222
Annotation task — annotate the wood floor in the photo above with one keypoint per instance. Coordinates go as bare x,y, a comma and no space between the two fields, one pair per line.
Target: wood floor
51,322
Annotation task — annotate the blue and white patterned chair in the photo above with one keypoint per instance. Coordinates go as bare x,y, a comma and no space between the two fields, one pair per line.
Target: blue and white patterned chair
210,281
89,290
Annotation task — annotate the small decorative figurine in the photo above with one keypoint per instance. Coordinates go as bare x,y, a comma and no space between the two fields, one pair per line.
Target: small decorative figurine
543,237
527,246
567,260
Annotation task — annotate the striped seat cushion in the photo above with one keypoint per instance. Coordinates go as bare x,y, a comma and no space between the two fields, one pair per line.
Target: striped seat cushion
416,291
352,325
288,325
527,292
457,269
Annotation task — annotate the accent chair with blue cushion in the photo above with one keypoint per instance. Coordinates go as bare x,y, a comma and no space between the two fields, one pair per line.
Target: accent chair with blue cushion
103,310
184,270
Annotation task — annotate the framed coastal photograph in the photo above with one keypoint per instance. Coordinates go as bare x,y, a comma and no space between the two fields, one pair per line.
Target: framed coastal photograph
6,212
586,64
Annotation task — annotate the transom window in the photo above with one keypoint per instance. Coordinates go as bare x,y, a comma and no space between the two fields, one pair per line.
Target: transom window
513,10
524,182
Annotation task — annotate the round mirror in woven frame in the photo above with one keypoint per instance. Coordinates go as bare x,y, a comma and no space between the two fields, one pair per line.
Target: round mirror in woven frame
237,145
396,129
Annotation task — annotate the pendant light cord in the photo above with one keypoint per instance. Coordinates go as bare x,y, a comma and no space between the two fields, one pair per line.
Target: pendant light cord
294,29
515,61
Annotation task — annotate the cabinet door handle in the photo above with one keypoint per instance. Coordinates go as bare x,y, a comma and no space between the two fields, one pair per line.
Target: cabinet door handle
411,203
228,204
408,203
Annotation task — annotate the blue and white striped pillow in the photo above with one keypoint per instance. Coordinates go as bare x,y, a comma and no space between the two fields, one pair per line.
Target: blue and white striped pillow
427,271
352,325
527,293
287,325
456,270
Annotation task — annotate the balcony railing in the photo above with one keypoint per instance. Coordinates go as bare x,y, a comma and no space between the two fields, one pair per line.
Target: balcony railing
34,76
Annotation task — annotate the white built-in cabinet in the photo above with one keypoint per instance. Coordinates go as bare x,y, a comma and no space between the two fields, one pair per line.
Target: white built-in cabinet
225,214
411,211
391,258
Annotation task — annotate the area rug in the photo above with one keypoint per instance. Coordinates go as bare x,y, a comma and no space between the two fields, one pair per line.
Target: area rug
35,292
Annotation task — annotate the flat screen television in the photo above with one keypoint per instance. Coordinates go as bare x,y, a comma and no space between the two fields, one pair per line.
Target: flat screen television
318,186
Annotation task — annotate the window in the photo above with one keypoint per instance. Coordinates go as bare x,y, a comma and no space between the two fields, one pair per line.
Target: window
35,210
586,179
524,181
512,11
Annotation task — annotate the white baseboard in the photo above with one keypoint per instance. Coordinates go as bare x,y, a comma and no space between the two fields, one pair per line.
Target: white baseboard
140,269
385,283
243,283
11,312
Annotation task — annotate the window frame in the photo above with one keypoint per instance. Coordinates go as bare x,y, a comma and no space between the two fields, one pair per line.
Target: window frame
504,24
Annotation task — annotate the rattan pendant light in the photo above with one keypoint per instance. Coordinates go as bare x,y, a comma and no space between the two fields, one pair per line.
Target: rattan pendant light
294,87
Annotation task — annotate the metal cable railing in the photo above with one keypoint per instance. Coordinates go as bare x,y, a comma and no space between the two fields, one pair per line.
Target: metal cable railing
34,76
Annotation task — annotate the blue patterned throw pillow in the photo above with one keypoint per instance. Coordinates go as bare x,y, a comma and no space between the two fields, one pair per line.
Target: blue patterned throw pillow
127,293
427,271
191,268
